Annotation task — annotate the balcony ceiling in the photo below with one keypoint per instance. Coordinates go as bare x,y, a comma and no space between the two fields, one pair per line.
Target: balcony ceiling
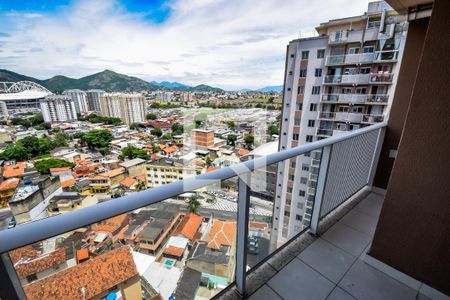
402,6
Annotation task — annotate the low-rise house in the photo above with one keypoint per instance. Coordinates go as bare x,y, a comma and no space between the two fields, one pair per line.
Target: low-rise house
215,254
135,167
189,227
7,188
14,170
112,273
65,202
104,182
175,247
30,201
32,264
168,170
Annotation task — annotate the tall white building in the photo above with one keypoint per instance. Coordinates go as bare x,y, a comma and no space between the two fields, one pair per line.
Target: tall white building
130,108
79,98
93,99
58,108
339,81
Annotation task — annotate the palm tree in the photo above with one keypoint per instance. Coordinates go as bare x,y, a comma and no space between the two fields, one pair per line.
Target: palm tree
193,204
140,185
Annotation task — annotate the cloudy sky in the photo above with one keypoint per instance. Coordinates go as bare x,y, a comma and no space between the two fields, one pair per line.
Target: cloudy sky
224,43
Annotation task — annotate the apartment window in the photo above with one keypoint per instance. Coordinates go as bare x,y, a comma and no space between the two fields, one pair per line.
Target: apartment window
305,167
301,193
318,72
305,55
286,213
315,90
313,107
364,70
299,106
298,218
295,136
289,190
291,177
311,123
300,90
292,55
297,122
288,201
303,180
353,50
307,154
321,53
309,138
289,89
300,205
368,49
302,73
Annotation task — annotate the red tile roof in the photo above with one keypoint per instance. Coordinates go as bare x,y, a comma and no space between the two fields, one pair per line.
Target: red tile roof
175,251
189,226
82,254
16,170
9,184
28,266
243,152
68,182
86,280
222,233
128,181
210,169
112,173
59,169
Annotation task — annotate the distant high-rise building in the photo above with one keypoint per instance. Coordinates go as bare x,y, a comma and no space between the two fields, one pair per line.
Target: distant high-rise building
93,99
164,96
79,98
58,108
339,81
130,108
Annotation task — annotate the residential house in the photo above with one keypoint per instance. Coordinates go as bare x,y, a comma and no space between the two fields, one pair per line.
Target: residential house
104,182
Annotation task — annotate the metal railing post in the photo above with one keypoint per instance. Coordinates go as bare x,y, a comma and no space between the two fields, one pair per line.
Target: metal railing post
320,189
242,233
376,156
10,287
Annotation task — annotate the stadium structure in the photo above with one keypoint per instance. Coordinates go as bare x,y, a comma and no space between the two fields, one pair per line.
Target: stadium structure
21,96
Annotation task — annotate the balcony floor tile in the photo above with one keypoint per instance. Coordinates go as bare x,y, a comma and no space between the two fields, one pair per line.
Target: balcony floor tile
299,281
371,205
265,293
340,294
348,239
327,259
361,222
365,282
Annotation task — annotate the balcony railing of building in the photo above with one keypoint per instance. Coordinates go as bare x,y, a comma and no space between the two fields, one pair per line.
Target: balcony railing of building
347,79
381,77
371,119
350,59
348,98
332,189
324,115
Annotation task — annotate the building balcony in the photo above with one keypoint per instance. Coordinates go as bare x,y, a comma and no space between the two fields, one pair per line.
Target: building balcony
372,119
377,99
350,59
381,78
348,117
347,79
323,115
386,56
346,98
324,132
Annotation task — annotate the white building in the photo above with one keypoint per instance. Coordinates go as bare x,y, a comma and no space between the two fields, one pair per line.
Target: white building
80,100
58,108
164,96
341,80
93,99
130,108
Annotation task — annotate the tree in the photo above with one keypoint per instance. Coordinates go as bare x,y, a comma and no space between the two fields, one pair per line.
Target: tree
43,166
60,140
156,132
140,185
14,152
177,129
44,126
155,149
271,98
272,129
32,147
134,126
36,120
208,161
249,140
131,152
151,117
20,121
193,204
231,138
231,125
96,139
166,136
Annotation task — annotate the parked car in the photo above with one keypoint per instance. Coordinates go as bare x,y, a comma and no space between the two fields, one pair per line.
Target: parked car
12,223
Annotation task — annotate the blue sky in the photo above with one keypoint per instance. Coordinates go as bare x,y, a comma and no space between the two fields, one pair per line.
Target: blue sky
225,43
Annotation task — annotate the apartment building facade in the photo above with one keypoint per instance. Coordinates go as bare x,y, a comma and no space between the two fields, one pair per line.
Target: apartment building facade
58,108
80,100
341,80
93,99
130,108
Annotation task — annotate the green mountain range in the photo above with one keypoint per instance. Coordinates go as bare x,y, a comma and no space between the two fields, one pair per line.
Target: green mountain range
107,80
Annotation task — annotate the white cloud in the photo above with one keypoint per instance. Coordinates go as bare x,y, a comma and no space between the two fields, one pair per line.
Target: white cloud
225,43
